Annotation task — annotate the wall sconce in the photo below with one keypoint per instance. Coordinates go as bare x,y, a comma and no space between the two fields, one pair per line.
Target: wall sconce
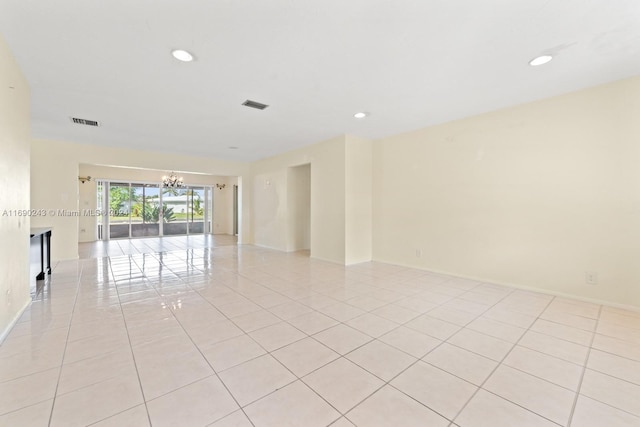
221,186
84,179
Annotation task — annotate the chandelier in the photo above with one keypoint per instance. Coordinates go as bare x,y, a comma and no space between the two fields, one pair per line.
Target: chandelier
172,181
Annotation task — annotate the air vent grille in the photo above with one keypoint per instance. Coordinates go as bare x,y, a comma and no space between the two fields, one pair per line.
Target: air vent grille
254,104
84,122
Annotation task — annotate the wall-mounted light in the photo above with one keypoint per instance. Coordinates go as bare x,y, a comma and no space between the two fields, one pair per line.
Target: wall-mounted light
84,179
221,186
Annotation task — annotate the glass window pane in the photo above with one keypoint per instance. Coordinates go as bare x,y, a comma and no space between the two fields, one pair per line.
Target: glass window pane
119,209
135,211
145,212
175,210
196,211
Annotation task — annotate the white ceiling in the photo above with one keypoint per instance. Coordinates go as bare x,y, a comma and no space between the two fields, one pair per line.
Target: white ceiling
410,63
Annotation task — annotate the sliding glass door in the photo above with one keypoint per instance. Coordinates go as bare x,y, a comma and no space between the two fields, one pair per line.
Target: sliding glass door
196,214
176,205
145,211
119,204
148,210
187,210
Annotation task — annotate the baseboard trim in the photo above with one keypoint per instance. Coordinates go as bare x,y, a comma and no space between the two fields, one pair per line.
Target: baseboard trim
522,287
13,322
332,261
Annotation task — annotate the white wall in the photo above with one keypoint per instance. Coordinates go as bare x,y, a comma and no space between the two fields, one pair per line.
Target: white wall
55,185
87,200
533,196
358,200
270,206
270,209
341,204
299,208
14,190
223,205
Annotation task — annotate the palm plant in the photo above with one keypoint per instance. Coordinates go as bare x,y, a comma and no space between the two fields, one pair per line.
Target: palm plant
167,214
151,213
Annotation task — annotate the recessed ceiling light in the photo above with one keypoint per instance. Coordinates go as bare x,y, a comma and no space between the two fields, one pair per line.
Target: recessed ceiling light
540,60
182,55
360,115
233,148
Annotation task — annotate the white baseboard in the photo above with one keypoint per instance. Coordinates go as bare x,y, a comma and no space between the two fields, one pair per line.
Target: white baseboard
13,322
522,287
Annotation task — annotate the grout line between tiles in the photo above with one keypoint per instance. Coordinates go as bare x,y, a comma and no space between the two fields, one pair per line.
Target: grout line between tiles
135,364
205,359
584,370
55,394
480,387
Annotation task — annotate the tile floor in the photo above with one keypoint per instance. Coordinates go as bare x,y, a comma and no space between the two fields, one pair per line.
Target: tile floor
146,245
241,336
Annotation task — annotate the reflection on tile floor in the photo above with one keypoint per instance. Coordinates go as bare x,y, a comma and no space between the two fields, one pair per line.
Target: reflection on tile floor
240,335
103,248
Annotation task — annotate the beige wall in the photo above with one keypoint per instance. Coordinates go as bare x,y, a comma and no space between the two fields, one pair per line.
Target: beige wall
87,200
532,196
270,206
270,210
223,205
14,190
299,208
358,199
340,199
55,185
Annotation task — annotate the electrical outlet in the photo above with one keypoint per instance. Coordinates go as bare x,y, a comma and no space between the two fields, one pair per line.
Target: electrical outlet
591,277
418,253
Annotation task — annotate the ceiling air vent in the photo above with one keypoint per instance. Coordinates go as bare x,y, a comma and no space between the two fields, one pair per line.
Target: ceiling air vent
84,122
254,104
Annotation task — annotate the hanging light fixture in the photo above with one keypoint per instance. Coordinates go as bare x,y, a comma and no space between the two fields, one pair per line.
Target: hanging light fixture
172,181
